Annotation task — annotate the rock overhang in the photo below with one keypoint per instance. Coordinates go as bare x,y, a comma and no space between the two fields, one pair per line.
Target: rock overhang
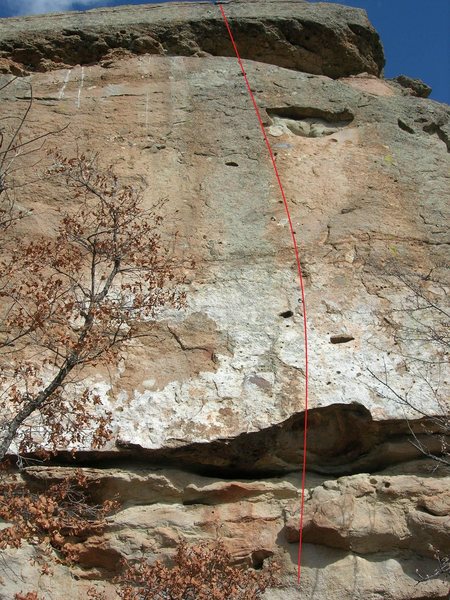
322,38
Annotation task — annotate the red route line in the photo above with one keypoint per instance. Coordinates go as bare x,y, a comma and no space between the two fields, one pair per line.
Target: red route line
300,276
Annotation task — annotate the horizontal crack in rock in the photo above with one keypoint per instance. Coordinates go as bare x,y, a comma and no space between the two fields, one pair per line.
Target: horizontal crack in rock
342,439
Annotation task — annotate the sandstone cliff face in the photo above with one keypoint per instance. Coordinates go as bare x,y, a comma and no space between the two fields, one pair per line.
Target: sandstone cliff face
220,393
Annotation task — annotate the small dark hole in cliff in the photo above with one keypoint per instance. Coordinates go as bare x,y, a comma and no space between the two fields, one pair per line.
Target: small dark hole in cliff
193,502
258,558
231,163
341,339
307,112
404,126
286,314
387,484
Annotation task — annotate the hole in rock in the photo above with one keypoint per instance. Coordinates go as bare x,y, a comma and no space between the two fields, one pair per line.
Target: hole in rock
308,121
258,558
405,127
231,163
286,314
195,501
309,112
341,339
387,484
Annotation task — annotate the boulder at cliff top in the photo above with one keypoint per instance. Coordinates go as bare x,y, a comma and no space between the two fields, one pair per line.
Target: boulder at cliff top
323,39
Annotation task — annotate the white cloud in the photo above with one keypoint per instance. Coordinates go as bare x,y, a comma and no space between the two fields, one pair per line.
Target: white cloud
33,7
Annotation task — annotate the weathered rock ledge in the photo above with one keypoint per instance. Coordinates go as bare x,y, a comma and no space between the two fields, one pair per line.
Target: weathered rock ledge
342,439
365,536
322,39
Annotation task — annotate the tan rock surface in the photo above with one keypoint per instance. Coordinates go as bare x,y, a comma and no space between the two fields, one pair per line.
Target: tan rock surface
180,125
360,531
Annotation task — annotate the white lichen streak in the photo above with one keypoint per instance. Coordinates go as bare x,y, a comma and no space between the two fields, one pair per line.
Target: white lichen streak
146,110
65,82
260,381
80,88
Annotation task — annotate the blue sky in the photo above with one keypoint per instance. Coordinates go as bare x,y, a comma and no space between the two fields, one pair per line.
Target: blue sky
415,33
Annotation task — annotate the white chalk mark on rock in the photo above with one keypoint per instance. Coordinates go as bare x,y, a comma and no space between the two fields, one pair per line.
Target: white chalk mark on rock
66,81
80,88
146,111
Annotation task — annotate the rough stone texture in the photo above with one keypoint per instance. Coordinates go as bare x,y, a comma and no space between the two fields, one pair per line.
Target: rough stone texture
231,367
368,515
316,38
219,388
365,536
416,87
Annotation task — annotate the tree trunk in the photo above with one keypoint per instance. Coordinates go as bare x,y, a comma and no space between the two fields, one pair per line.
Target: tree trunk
9,431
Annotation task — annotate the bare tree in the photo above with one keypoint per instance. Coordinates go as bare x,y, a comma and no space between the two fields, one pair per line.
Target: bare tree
422,337
423,341
15,146
73,301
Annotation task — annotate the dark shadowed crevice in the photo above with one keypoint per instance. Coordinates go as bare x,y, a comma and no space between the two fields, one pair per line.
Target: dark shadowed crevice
342,439
298,113
405,127
341,339
433,128
258,557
